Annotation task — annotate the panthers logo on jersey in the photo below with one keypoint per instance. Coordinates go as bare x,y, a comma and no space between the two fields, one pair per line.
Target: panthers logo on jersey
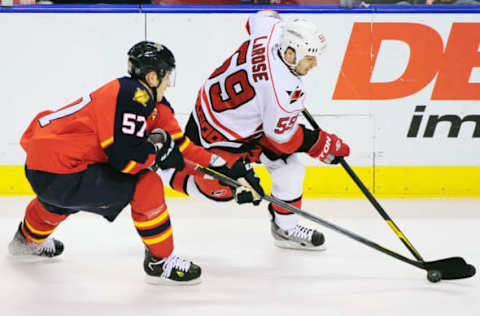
141,96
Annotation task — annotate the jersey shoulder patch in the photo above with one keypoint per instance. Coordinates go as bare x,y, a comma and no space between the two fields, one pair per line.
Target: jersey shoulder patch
141,96
134,97
135,91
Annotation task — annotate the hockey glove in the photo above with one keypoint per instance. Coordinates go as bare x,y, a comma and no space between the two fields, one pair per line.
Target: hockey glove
168,154
251,191
329,148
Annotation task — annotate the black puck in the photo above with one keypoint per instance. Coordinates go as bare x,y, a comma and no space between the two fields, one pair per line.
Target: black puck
434,276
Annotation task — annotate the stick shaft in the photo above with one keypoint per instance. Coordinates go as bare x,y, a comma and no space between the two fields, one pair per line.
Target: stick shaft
370,197
380,210
293,209
310,119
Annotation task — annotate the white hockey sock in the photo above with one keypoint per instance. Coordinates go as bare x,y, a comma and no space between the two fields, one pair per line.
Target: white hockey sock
286,221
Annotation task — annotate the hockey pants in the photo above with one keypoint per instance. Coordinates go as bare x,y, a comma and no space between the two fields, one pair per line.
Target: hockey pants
58,196
287,184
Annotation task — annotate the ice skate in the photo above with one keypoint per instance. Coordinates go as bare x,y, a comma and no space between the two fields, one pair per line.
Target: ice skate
20,247
299,237
172,270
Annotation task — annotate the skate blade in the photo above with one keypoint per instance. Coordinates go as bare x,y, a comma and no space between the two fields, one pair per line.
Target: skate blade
286,244
28,259
161,281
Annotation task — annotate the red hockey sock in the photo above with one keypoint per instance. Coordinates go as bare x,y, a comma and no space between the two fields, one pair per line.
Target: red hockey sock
150,215
281,210
39,223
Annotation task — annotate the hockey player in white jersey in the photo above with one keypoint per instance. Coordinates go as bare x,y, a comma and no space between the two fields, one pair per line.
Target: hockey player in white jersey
249,108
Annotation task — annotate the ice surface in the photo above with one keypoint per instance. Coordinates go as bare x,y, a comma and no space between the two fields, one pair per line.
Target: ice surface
101,273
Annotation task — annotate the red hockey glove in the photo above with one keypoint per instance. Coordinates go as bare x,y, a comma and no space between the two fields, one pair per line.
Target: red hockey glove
329,148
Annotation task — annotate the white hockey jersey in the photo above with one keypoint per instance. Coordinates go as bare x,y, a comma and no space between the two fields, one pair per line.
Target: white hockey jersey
253,93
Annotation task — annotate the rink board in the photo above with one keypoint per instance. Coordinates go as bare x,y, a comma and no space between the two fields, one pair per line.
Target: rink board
401,87
386,182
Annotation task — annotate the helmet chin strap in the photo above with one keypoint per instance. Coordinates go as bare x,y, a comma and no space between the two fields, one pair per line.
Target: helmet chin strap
292,67
154,91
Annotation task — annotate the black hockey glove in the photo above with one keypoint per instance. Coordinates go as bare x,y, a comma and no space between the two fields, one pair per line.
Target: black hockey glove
168,154
251,191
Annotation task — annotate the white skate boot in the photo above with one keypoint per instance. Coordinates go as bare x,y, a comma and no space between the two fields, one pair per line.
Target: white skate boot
299,237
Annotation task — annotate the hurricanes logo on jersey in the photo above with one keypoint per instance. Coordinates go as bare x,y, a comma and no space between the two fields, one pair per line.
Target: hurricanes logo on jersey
295,95
218,193
141,96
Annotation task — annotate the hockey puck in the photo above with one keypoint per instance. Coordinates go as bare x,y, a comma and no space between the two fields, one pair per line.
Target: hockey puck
434,276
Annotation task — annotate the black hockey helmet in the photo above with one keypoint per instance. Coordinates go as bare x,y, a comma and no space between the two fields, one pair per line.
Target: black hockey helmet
146,56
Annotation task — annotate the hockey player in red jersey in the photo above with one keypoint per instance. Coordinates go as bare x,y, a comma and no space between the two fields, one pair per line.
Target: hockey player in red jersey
97,155
249,107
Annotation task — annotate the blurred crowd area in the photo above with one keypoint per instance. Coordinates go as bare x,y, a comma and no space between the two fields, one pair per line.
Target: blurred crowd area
343,3
180,2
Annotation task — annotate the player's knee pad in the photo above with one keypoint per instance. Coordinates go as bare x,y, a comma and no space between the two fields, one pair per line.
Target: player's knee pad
179,180
194,183
149,195
287,176
210,189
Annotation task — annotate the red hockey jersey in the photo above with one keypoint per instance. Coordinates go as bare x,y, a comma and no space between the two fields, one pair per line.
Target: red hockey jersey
109,125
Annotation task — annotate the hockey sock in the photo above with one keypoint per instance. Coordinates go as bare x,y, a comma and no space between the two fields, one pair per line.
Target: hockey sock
284,218
39,223
156,232
150,215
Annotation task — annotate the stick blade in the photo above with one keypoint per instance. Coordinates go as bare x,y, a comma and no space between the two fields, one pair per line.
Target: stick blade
452,268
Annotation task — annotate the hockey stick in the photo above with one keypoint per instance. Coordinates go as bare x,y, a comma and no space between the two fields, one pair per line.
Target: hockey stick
380,210
447,269
370,197
466,268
